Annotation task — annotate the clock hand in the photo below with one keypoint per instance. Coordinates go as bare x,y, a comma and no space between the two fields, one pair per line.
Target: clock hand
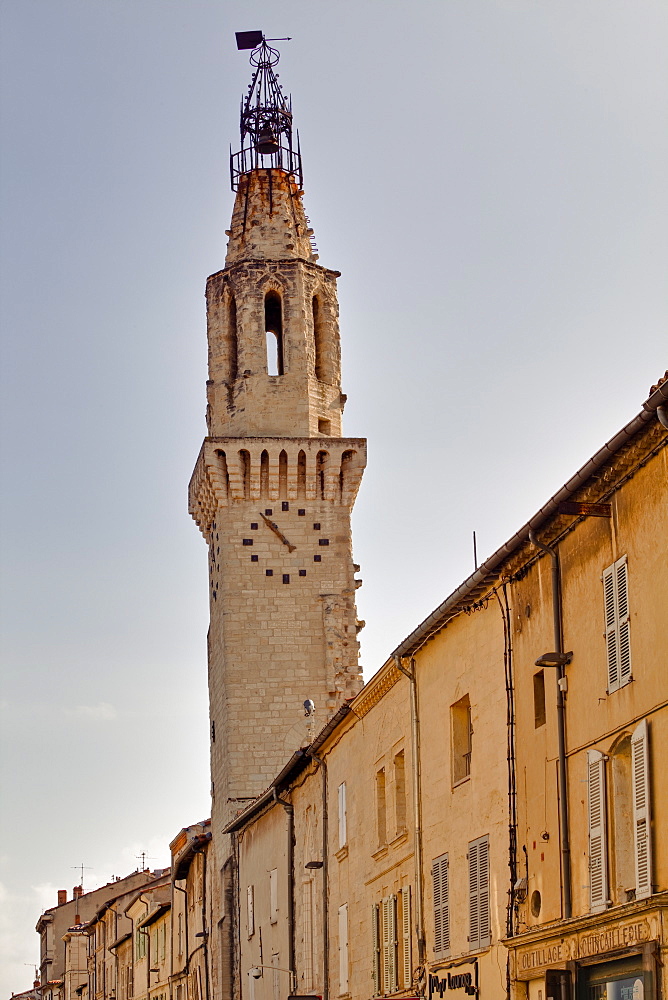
274,527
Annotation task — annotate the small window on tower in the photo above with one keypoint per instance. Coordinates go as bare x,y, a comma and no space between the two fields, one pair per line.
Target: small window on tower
273,324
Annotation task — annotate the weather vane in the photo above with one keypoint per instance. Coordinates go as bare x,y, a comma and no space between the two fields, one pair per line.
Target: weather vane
266,116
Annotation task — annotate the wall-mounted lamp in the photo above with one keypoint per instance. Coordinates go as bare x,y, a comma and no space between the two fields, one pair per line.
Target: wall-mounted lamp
554,659
313,864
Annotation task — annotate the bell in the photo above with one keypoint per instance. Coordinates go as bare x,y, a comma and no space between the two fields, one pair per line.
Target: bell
267,142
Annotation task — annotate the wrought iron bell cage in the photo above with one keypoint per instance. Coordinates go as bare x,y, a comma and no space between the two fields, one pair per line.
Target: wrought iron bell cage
266,122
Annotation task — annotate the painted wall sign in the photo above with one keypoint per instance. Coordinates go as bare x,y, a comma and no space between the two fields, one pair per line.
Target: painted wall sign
457,977
597,941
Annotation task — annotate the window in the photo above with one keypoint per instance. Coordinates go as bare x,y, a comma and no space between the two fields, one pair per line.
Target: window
400,792
343,949
617,624
140,943
539,699
441,891
391,924
639,840
343,816
273,324
273,894
250,910
461,739
479,922
381,808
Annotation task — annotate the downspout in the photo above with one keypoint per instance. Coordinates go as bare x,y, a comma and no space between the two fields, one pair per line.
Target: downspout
417,811
289,808
325,875
561,725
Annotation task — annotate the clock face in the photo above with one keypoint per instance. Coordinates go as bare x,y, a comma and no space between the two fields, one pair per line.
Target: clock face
287,559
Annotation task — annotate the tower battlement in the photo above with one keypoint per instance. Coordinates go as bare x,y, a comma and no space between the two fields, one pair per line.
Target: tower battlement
231,470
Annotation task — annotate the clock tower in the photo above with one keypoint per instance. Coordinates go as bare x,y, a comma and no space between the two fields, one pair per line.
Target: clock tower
275,482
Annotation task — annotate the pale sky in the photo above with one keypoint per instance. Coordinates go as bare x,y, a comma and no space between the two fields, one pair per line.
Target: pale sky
488,176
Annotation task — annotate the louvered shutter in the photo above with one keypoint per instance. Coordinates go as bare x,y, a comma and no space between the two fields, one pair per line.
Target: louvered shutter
611,627
623,620
439,876
642,834
343,948
479,920
598,851
617,623
483,892
375,968
405,952
474,902
343,819
389,943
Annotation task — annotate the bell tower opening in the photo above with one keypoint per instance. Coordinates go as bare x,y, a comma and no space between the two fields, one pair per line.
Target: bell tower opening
273,325
232,343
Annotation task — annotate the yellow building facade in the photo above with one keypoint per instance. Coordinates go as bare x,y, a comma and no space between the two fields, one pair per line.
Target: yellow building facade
483,817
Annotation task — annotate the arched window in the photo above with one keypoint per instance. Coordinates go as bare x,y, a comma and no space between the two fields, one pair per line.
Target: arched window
273,325
244,460
621,789
222,459
232,340
283,474
301,475
319,340
264,474
321,468
346,459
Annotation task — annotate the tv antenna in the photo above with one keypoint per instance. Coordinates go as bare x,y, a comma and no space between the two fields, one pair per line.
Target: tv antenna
82,868
144,857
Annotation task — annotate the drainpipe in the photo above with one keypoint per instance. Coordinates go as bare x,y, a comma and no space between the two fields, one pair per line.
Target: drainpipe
325,875
289,808
561,725
417,812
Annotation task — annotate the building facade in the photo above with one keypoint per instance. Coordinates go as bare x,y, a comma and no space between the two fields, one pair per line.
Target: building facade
484,817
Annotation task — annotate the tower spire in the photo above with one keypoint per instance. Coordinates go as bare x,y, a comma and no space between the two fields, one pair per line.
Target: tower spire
266,116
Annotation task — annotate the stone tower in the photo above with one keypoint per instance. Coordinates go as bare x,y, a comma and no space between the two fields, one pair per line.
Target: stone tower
274,484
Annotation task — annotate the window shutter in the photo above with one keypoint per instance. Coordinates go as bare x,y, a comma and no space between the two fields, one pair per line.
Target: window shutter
439,875
617,623
343,948
598,851
474,903
375,968
623,619
343,818
307,892
479,918
273,894
611,627
642,835
483,892
406,964
250,909
389,943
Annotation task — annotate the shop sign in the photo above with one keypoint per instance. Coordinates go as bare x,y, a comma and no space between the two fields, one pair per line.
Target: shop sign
588,944
463,978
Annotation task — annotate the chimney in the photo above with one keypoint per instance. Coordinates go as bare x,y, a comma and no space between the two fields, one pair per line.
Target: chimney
77,892
62,896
